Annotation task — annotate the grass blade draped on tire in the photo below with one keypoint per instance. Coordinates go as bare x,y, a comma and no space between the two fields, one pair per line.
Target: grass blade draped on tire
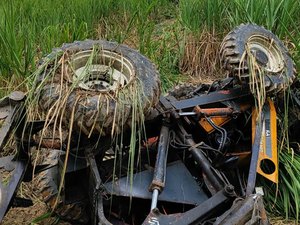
271,56
101,82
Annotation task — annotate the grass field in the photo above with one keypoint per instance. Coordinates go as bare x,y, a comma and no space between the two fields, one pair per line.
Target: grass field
181,37
170,33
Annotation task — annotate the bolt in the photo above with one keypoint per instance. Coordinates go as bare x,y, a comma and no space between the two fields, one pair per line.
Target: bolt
229,189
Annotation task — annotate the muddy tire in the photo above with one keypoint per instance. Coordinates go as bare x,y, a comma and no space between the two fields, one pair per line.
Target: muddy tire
48,188
93,76
269,52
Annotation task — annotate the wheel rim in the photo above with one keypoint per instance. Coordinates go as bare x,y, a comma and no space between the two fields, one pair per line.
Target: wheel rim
266,53
101,71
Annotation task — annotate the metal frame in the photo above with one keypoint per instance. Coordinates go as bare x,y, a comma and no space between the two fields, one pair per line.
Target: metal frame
222,194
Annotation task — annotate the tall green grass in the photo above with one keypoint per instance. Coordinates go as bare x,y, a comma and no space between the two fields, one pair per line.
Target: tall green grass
284,200
30,29
205,14
275,15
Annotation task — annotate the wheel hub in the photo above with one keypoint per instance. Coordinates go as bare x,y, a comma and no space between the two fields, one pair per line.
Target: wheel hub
100,78
260,56
266,53
103,71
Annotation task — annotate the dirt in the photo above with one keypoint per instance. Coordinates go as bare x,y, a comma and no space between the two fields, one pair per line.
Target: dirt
25,216
281,221
5,176
36,214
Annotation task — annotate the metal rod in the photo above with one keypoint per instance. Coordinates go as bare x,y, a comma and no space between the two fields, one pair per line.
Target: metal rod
254,158
159,177
154,198
98,217
201,159
187,113
241,212
197,215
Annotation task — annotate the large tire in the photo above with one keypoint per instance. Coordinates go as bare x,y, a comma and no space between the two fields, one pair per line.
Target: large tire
47,182
270,53
95,74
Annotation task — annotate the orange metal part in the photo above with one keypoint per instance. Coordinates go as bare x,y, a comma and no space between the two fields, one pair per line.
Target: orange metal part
219,116
218,120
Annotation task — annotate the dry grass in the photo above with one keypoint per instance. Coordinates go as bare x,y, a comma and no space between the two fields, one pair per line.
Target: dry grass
201,55
281,221
256,80
10,84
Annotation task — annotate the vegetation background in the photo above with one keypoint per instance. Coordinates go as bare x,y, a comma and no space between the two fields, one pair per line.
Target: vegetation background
181,37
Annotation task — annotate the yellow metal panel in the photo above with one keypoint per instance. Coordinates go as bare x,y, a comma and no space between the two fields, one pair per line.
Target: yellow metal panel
267,165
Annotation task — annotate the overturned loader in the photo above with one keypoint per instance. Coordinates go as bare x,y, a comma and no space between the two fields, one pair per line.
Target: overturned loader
132,157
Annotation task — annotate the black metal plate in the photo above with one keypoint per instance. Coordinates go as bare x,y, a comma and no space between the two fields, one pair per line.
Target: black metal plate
180,186
7,189
213,97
